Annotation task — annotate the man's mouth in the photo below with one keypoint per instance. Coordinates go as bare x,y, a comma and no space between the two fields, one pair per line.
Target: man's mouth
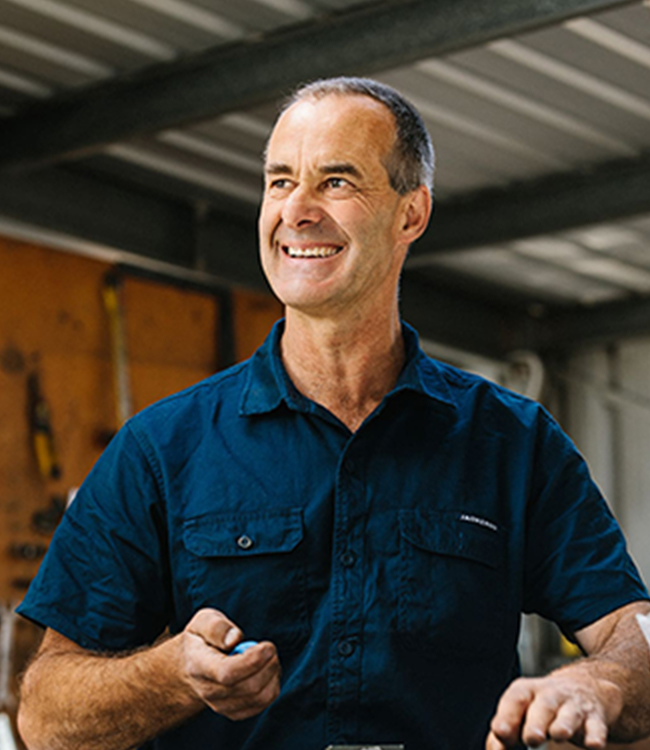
322,251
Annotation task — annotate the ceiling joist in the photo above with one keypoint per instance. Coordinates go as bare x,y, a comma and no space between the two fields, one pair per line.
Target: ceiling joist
238,75
544,206
123,218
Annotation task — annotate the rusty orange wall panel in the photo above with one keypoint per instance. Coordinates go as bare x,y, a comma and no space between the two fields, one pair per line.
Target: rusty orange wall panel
254,315
53,322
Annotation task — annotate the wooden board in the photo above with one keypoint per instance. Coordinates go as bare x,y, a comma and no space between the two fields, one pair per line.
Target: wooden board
53,322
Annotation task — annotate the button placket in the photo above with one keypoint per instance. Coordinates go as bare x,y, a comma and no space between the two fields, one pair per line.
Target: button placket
347,594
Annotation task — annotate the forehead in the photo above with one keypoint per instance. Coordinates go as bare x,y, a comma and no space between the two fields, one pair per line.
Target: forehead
339,127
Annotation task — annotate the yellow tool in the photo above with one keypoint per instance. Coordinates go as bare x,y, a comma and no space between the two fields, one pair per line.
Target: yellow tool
111,293
41,429
568,649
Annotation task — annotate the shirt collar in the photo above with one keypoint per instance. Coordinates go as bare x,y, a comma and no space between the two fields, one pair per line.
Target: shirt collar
268,384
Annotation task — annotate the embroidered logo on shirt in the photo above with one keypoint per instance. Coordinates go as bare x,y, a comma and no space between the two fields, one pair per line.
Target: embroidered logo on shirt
479,521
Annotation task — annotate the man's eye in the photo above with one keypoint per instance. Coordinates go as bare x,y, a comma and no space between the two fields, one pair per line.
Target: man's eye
336,182
280,184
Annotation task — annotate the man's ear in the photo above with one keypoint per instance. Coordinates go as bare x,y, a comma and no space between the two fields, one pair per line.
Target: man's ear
417,212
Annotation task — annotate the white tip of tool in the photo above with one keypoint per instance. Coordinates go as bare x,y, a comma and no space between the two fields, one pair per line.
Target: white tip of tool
644,624
7,741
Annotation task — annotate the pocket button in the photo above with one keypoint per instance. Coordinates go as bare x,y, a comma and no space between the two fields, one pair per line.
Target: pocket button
244,542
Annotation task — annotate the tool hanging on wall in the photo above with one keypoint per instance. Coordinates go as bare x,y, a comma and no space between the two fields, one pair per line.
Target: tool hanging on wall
46,520
112,296
27,551
41,429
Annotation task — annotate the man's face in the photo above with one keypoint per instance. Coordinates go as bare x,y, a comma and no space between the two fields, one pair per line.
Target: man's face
330,226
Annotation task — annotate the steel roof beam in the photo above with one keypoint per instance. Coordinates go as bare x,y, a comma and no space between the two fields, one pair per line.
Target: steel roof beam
119,216
234,76
116,215
610,191
108,212
562,331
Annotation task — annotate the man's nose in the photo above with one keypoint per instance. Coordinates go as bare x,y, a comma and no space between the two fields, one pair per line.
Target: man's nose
301,208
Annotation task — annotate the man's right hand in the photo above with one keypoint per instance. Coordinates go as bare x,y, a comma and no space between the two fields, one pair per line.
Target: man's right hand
72,697
237,686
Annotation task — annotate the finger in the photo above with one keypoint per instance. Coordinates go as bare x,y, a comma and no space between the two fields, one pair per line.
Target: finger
568,721
493,742
253,705
215,629
541,714
258,688
507,722
595,732
248,698
261,659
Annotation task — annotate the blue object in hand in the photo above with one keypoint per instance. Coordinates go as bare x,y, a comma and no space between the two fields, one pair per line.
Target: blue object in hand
241,647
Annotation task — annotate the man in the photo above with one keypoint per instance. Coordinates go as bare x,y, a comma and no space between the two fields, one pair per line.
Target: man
376,520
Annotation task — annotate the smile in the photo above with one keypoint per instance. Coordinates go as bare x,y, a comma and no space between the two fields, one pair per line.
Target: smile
326,251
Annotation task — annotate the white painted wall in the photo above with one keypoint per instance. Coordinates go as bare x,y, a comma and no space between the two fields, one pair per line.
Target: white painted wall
607,413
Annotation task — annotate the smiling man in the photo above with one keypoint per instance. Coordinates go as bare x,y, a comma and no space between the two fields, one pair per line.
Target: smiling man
376,520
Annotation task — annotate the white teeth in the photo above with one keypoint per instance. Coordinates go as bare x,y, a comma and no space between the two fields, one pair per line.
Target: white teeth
312,252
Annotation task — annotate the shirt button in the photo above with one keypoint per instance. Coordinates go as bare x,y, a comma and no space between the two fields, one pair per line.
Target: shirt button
244,542
350,466
348,559
346,648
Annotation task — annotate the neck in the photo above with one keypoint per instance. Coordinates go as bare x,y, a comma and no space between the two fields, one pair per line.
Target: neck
346,366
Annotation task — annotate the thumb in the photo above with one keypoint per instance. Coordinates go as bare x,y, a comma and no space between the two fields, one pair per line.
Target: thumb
215,629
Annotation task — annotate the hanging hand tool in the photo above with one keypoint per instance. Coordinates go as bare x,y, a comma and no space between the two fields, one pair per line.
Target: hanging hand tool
27,551
46,520
111,293
41,429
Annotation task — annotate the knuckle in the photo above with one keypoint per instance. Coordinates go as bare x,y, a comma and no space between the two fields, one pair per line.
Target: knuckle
225,677
270,693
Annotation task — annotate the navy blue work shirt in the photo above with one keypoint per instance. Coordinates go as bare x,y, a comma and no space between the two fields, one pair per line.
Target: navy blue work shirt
389,566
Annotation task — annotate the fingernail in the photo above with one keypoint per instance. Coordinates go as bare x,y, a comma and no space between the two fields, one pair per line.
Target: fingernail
268,652
231,637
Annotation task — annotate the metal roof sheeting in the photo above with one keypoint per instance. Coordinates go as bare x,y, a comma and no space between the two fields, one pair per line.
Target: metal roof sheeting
560,99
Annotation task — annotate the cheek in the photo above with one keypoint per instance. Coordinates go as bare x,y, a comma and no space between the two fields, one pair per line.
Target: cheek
268,219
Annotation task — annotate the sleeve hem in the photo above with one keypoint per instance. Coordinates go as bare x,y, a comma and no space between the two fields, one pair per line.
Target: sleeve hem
46,618
594,613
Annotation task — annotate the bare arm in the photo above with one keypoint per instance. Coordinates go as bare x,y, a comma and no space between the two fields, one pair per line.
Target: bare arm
73,699
604,696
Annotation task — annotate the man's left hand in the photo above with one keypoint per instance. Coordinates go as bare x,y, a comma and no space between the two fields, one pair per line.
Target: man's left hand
590,700
567,705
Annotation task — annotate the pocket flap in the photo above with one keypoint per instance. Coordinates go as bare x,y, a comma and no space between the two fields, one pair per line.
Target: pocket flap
244,534
454,533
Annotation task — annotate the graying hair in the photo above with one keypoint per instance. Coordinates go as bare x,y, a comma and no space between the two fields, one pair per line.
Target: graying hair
411,162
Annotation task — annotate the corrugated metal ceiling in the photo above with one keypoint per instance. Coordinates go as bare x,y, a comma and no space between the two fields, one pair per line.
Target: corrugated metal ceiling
563,98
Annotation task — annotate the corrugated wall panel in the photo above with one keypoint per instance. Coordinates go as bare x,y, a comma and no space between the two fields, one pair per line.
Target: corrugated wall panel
608,416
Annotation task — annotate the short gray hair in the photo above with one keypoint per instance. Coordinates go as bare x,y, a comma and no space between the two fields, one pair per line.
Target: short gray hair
411,162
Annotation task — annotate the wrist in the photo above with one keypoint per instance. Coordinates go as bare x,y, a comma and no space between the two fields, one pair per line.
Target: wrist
170,674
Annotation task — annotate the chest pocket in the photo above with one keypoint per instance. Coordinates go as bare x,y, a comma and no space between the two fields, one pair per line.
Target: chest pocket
251,567
452,585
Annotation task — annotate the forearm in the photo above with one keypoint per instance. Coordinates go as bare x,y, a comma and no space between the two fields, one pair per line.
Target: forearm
604,696
70,700
624,661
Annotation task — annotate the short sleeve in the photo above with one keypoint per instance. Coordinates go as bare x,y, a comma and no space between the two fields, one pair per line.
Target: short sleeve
577,565
104,582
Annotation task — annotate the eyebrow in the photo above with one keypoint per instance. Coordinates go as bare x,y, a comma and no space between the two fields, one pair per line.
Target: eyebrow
275,168
343,168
